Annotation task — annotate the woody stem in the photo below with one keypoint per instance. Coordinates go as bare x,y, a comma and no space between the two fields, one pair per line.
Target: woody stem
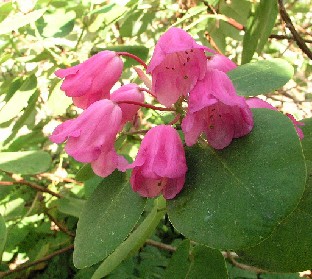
122,53
146,105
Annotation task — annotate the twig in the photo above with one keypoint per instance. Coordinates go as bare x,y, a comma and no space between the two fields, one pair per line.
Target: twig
244,266
44,259
300,42
145,105
136,132
285,37
54,177
31,185
60,225
212,42
160,245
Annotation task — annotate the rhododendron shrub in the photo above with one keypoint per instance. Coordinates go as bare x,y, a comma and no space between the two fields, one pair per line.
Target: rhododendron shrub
219,165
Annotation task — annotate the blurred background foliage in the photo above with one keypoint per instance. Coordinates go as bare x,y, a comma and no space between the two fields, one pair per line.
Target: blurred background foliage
38,37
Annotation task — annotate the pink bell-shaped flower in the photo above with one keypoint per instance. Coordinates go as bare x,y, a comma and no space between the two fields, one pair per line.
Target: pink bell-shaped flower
216,110
93,79
258,103
128,93
178,62
90,137
160,165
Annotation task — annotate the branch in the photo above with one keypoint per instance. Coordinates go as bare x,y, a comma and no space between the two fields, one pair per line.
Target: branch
300,42
55,177
285,37
145,105
44,259
31,185
244,266
160,245
60,225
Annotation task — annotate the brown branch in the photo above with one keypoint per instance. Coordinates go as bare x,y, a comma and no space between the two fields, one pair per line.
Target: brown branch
60,225
285,37
244,266
234,23
54,177
300,42
31,185
212,42
44,259
160,245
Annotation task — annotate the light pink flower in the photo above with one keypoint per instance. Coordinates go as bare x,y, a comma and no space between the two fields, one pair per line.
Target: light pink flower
129,92
216,110
160,165
90,137
221,63
93,79
258,103
176,65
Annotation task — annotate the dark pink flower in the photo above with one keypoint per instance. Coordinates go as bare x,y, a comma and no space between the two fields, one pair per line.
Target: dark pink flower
160,165
129,92
176,65
258,103
90,137
93,79
217,111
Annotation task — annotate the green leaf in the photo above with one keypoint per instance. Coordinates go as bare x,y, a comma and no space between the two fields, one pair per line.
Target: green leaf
85,173
235,197
134,242
180,262
261,77
296,229
18,20
3,235
106,220
28,111
25,162
58,24
5,9
259,28
186,264
58,102
140,51
71,206
19,100
207,261
103,10
307,140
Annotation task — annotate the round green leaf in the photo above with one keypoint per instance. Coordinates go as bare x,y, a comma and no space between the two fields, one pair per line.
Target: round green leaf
106,220
235,197
25,162
292,239
261,77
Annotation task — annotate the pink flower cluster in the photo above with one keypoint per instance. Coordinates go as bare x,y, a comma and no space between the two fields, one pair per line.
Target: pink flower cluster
182,72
